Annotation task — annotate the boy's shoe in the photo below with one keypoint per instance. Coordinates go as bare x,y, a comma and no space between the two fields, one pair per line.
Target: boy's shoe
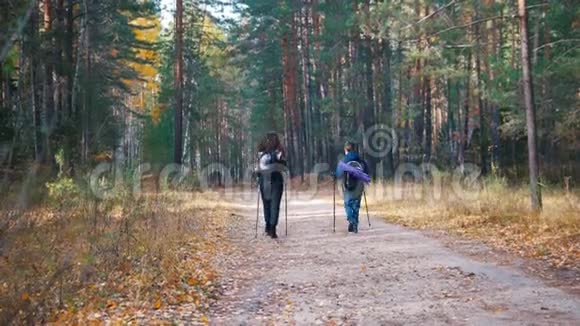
355,228
350,227
273,234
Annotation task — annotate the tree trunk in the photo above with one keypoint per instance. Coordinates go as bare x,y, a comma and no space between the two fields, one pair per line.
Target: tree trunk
69,57
465,136
178,114
307,88
482,122
536,195
36,116
496,50
48,93
450,122
397,109
460,131
428,120
321,74
339,98
418,101
58,73
285,105
72,80
369,117
479,34
387,107
87,91
549,148
427,108
290,94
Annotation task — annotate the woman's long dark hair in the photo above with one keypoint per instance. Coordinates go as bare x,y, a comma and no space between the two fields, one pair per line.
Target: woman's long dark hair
270,143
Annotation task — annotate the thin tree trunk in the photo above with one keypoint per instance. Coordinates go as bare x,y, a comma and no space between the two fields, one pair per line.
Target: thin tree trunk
58,73
536,195
73,80
87,90
428,120
419,112
36,115
495,113
48,93
397,109
178,116
482,122
339,98
465,136
320,72
285,105
388,110
297,121
549,148
460,131
479,34
369,117
450,122
3,93
306,85
428,109
69,57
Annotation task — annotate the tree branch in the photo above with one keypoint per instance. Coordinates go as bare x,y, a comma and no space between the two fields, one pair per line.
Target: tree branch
453,2
479,21
556,42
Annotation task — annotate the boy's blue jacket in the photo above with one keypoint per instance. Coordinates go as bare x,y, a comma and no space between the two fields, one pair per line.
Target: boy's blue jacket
351,156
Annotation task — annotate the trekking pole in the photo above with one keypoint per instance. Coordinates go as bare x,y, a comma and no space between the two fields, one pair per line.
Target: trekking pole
258,211
286,207
367,208
334,203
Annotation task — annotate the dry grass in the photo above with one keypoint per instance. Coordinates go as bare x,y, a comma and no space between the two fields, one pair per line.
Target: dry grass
61,263
500,216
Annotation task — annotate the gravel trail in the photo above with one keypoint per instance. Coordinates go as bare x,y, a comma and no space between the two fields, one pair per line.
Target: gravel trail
385,275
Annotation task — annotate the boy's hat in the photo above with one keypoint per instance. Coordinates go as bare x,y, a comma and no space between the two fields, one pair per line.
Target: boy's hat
348,143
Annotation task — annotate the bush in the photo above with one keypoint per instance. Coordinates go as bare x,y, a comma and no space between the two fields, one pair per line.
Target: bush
62,191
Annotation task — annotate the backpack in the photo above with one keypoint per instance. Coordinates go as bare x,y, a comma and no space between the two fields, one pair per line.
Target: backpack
350,182
276,173
273,158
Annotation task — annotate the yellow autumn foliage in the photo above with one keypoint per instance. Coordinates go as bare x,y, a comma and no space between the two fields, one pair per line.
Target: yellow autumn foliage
145,87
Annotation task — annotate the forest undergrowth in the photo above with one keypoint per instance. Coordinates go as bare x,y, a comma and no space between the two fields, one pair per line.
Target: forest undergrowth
498,214
73,260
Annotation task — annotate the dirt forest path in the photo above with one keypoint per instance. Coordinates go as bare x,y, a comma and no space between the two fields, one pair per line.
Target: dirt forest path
385,275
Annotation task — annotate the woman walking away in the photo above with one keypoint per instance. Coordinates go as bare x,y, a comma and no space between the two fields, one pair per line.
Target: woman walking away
271,165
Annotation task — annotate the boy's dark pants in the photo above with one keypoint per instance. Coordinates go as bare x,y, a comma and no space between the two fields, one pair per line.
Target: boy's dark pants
271,191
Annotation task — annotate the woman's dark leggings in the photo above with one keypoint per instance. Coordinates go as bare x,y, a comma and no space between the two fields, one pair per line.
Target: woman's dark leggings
271,197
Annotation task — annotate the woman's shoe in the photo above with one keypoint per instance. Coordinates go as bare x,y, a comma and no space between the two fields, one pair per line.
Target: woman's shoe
273,234
350,227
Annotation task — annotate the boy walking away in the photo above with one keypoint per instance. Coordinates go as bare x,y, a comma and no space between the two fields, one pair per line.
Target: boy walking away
354,173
